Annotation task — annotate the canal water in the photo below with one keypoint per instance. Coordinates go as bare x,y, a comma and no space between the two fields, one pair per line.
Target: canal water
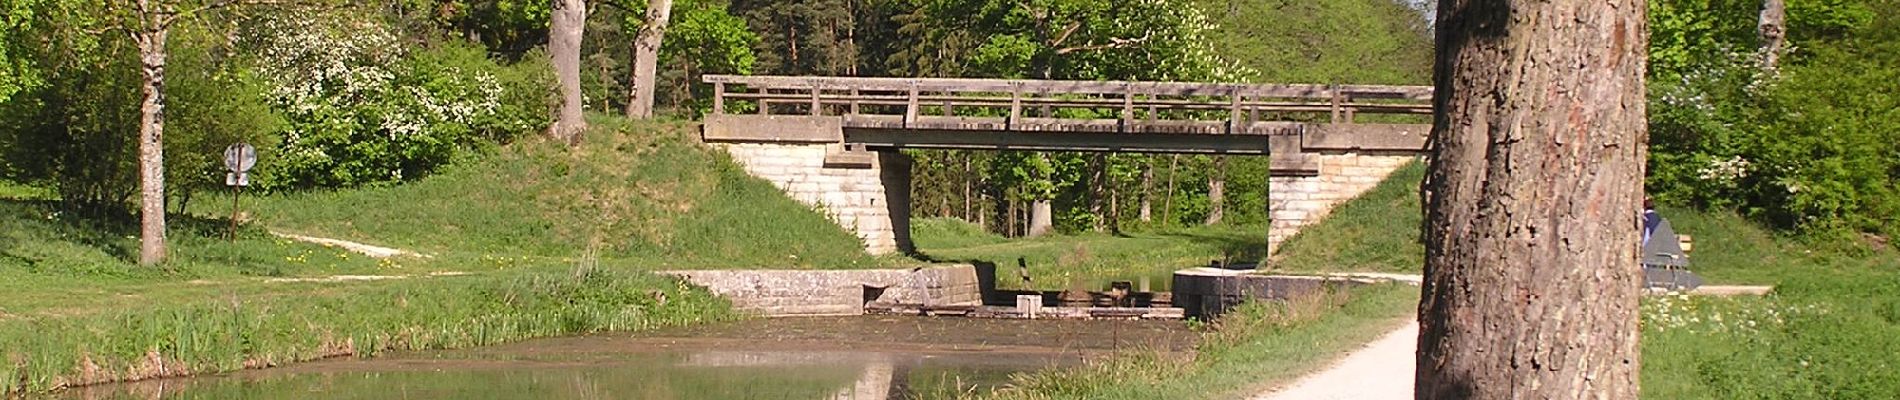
864,357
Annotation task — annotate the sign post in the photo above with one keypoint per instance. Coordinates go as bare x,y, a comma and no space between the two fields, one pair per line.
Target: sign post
238,159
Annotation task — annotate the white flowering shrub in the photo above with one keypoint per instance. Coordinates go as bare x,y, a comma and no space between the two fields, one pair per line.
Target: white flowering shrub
362,106
1808,144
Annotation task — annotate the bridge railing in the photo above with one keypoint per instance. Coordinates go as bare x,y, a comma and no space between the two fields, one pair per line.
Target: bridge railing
915,98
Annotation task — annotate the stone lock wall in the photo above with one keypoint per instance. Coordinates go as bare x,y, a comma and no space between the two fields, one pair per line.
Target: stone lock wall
1297,201
840,292
866,192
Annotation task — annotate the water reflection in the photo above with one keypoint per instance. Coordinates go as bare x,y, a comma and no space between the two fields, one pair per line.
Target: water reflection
787,358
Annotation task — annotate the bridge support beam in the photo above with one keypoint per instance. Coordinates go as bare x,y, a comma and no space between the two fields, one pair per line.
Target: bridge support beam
866,192
1294,202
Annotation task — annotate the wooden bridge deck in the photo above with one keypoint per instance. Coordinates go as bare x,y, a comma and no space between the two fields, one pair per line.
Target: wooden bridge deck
1066,115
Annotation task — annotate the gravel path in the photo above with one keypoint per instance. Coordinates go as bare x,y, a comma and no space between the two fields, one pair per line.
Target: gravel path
1382,370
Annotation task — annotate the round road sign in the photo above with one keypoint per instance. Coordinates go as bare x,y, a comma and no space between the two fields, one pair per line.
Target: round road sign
240,157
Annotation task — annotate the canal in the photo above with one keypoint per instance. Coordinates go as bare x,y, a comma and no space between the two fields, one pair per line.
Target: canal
860,357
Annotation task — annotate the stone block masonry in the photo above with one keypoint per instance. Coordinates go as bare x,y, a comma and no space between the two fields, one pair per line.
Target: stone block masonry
1294,202
808,292
871,199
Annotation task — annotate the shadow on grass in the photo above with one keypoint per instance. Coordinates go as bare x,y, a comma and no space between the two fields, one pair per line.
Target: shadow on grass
109,230
1236,247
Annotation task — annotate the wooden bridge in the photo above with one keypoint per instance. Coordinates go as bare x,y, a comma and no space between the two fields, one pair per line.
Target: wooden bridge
826,141
1115,116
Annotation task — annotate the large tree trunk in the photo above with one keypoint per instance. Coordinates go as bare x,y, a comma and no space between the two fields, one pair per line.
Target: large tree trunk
1217,191
565,26
646,55
1774,32
151,42
1041,218
1533,201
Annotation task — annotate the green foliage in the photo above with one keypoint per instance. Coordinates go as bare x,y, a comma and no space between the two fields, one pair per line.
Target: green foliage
1058,262
1086,39
1340,41
73,132
702,39
16,73
1810,146
210,105
362,109
813,37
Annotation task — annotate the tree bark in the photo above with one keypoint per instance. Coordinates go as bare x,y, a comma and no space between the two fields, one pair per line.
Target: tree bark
646,55
1009,217
969,176
1533,201
1147,190
150,38
566,24
1098,188
1774,33
1217,191
1041,218
1167,203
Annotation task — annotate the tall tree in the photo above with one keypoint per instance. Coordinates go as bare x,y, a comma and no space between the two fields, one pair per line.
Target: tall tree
646,58
1532,201
15,74
149,22
1773,28
566,22
1217,191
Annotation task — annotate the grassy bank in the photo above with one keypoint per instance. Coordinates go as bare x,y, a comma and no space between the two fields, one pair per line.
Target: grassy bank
1376,232
304,321
1827,332
1246,352
551,242
634,193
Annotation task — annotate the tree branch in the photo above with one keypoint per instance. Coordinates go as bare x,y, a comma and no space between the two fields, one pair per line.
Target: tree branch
1113,43
217,4
1066,33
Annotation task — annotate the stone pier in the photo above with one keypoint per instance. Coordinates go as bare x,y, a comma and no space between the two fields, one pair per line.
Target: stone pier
1295,201
866,192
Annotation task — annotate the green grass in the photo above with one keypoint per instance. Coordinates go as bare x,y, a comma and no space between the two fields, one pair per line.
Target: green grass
641,194
1245,352
1090,259
305,321
1376,232
1831,330
559,242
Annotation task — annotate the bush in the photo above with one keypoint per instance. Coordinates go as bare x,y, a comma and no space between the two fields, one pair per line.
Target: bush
1812,146
76,131
364,109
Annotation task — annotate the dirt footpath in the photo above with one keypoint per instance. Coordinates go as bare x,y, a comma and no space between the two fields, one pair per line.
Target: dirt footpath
1382,370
